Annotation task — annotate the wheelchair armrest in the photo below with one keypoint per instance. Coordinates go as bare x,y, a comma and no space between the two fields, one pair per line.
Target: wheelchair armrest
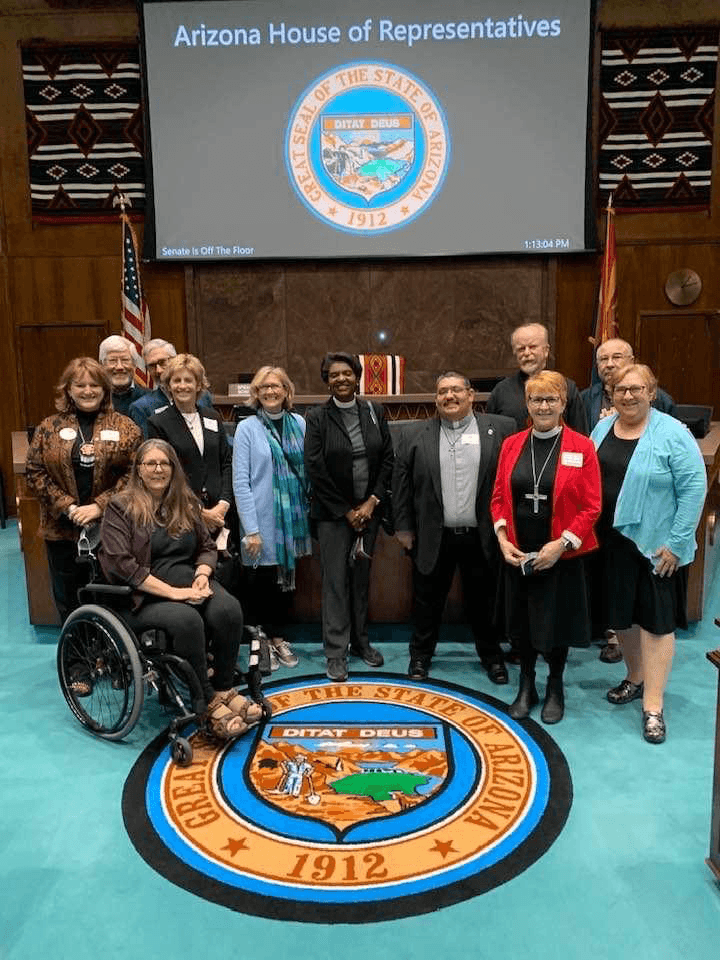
96,591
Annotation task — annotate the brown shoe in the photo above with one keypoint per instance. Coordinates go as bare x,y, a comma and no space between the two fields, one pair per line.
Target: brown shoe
611,653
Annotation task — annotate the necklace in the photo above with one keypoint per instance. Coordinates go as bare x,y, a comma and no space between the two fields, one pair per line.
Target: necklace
87,449
535,496
448,433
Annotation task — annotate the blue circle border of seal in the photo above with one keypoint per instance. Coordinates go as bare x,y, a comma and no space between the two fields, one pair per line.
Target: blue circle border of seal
171,857
308,206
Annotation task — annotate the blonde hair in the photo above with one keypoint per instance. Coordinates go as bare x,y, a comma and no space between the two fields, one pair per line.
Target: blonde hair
64,402
185,361
179,508
643,370
282,376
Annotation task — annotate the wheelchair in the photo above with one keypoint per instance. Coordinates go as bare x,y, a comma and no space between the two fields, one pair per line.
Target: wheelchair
106,671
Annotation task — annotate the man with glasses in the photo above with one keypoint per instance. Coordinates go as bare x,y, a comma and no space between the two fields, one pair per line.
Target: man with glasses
119,358
442,484
612,356
531,348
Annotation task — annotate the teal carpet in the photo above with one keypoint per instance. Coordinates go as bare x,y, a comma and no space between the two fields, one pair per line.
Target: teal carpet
625,878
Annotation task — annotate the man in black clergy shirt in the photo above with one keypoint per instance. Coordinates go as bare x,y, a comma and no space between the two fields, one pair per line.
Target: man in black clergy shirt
442,483
531,348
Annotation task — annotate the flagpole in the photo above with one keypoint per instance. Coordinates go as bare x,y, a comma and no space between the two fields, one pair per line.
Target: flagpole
134,313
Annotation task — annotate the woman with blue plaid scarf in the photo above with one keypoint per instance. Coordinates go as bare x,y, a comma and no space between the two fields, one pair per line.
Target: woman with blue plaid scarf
272,504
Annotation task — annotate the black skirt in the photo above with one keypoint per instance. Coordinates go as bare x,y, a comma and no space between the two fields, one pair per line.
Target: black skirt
550,608
627,592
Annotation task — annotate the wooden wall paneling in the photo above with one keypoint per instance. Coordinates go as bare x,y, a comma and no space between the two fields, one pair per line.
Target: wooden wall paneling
65,290
164,288
577,291
683,351
10,406
44,353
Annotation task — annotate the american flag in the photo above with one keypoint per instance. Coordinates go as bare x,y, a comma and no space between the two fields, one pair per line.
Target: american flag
135,316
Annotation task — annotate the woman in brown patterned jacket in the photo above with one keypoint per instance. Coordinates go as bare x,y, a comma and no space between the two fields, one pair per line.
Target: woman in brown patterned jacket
77,460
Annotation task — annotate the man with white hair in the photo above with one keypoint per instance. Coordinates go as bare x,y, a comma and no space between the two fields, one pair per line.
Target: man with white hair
531,347
119,358
156,354
611,356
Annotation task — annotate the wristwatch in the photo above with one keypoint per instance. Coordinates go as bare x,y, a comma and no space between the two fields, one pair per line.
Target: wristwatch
567,543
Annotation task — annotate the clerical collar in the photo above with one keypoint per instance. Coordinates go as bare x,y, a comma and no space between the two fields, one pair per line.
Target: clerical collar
344,406
546,434
457,424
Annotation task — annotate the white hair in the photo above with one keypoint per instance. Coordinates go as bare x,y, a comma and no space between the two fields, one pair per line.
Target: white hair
116,342
157,342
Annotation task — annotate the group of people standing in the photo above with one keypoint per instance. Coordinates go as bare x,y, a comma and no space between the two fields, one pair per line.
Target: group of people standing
555,534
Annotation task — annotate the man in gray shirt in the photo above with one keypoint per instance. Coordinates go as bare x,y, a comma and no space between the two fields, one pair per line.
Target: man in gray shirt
442,483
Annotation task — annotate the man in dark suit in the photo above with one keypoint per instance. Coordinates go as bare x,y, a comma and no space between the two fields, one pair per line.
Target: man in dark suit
442,483
531,348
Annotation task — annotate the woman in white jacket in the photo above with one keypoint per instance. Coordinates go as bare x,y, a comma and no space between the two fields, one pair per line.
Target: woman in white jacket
272,504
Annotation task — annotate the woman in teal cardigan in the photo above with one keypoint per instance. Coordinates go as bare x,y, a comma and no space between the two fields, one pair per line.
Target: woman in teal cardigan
654,486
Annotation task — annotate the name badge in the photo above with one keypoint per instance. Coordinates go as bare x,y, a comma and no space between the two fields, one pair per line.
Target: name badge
210,424
471,438
569,458
67,433
112,436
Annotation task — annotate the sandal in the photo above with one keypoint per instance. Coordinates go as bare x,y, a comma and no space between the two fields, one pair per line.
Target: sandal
222,722
241,706
80,683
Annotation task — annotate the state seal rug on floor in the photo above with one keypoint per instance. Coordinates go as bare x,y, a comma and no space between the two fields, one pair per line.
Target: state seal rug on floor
361,801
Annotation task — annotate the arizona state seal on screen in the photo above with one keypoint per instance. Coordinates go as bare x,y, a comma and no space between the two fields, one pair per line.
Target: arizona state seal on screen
361,801
367,147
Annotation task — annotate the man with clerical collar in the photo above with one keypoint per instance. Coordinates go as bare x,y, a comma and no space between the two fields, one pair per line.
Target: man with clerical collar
442,482
156,354
612,356
531,348
119,358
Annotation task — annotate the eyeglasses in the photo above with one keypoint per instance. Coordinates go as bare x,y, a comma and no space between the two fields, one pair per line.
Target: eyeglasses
539,401
455,391
615,357
263,388
156,464
634,391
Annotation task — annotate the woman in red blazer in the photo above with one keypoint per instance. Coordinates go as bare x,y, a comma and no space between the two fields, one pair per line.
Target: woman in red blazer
544,507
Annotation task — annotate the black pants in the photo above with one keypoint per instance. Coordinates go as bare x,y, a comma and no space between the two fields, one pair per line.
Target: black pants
216,624
66,574
264,603
479,588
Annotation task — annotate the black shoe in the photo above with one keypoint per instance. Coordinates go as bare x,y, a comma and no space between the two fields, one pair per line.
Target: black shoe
554,706
654,726
369,655
337,668
624,692
418,670
496,671
527,698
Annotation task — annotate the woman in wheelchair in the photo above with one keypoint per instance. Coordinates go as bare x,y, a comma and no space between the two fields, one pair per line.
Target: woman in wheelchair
153,538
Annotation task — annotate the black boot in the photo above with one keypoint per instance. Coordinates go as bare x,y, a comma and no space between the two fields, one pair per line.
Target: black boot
554,706
526,698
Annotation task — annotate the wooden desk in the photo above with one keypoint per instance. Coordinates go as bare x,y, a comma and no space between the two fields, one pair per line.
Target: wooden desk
390,581
713,861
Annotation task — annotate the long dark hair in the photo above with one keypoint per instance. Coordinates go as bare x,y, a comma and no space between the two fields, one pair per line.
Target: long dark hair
179,508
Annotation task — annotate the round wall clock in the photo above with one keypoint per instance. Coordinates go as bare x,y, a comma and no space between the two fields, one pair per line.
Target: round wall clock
683,287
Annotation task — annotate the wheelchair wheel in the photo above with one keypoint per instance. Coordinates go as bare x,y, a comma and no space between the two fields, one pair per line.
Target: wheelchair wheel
100,672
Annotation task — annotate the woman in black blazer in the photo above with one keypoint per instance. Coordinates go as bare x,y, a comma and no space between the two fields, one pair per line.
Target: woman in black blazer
199,439
348,462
